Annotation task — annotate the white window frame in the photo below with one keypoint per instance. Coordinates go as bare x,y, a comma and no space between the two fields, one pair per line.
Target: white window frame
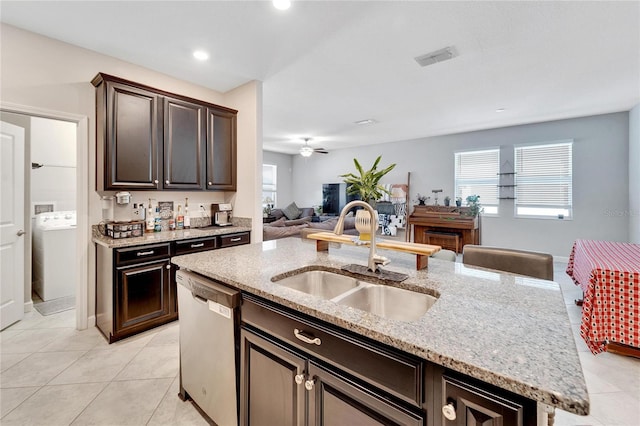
558,177
269,186
489,178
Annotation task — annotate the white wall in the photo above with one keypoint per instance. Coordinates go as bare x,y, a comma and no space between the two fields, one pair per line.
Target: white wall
284,181
53,144
47,74
600,178
634,175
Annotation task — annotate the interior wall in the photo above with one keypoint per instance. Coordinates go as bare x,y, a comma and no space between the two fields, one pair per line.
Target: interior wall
53,144
48,74
600,178
284,181
634,175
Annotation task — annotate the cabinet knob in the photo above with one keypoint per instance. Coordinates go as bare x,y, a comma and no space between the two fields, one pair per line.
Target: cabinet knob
168,266
299,378
210,183
449,410
167,181
155,181
308,385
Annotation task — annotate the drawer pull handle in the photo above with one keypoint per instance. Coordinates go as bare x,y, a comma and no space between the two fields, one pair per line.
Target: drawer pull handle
308,385
144,253
235,240
197,245
299,378
310,340
449,410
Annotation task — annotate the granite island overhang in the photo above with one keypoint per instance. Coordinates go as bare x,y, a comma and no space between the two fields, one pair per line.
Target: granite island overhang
503,329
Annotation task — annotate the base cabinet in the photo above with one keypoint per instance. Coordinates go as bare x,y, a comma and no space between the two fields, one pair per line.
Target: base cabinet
466,403
289,387
142,293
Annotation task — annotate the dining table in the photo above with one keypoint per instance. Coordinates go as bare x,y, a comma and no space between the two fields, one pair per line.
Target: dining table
609,275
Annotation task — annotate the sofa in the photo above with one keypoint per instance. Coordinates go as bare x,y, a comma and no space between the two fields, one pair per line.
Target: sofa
290,226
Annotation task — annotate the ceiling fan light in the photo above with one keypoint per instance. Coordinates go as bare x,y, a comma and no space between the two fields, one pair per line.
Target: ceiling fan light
282,4
306,151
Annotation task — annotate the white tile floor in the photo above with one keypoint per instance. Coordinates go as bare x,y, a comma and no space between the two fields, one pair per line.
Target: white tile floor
52,374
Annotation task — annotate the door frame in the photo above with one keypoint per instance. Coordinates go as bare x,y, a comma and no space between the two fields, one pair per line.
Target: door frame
82,199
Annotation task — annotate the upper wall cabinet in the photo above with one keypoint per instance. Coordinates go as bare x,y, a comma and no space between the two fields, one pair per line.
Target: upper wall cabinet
221,155
148,139
184,144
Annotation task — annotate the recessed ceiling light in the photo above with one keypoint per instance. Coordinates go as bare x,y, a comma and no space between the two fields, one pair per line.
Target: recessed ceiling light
282,4
501,110
200,55
366,121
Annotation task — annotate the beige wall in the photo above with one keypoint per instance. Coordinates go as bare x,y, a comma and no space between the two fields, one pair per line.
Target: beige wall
43,73
634,175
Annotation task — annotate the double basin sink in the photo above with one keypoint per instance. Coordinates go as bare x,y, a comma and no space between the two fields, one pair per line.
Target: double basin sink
379,299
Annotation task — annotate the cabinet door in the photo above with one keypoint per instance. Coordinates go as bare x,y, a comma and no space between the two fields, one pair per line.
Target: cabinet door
184,144
142,296
221,150
130,158
336,400
269,392
475,406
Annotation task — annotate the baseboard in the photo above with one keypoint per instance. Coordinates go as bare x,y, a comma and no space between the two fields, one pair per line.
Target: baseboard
28,306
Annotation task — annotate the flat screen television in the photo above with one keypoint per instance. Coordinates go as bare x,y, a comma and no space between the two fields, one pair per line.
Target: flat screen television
334,198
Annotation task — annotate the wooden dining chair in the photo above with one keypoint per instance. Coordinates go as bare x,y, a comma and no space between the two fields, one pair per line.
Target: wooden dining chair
530,263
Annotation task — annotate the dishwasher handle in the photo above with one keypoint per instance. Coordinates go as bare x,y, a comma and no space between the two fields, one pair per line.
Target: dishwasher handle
206,289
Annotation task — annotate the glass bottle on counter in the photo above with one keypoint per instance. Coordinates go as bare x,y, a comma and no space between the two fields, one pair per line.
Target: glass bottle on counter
150,222
157,221
179,218
187,219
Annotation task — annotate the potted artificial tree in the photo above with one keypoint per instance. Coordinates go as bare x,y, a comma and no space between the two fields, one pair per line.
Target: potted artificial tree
367,186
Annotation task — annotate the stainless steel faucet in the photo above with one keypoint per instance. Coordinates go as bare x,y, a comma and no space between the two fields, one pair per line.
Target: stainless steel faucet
374,259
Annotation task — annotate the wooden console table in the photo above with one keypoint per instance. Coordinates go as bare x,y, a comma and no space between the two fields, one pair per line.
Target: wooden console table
444,223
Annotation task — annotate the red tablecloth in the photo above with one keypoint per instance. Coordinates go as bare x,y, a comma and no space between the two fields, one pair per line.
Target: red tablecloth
609,274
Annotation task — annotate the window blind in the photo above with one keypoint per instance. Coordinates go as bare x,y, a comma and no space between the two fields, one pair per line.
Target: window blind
476,173
544,179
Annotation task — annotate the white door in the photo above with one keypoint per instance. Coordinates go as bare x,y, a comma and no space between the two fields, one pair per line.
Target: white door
11,224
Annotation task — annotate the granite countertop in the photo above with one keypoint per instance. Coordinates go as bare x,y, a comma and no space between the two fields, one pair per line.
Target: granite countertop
507,330
161,237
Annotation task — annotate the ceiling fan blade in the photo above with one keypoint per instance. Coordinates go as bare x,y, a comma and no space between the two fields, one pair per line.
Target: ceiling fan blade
320,150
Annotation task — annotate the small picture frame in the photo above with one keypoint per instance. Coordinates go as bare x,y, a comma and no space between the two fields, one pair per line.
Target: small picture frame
166,209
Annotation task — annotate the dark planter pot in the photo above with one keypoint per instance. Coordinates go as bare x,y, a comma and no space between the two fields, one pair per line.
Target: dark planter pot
446,203
458,203
421,203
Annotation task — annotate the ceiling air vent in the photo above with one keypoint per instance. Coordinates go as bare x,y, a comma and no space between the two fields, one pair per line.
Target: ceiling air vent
437,56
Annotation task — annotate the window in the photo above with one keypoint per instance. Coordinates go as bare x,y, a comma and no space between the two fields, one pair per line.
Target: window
477,174
269,187
544,180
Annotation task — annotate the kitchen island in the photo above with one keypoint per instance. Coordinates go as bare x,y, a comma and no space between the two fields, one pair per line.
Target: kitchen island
508,331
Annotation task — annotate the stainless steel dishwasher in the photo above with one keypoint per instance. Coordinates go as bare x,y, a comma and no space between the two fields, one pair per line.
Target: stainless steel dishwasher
209,346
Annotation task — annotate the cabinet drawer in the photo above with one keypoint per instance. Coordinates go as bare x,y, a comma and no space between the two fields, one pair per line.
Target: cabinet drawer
396,373
234,239
145,253
195,245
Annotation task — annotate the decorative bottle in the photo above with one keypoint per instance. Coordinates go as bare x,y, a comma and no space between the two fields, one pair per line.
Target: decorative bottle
187,219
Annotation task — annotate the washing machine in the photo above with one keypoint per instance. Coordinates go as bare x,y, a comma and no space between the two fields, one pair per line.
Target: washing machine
54,255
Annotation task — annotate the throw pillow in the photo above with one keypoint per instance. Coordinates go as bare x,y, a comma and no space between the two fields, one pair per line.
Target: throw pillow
291,211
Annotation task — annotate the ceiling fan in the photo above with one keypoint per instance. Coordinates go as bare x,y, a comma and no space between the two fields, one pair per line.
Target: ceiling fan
306,150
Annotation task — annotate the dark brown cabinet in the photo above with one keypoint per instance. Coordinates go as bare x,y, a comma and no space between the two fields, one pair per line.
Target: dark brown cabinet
133,291
142,294
288,363
184,144
221,150
127,135
149,139
268,383
465,402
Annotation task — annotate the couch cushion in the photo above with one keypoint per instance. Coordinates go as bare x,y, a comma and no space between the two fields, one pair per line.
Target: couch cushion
292,211
306,211
280,222
277,213
275,232
328,224
300,221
